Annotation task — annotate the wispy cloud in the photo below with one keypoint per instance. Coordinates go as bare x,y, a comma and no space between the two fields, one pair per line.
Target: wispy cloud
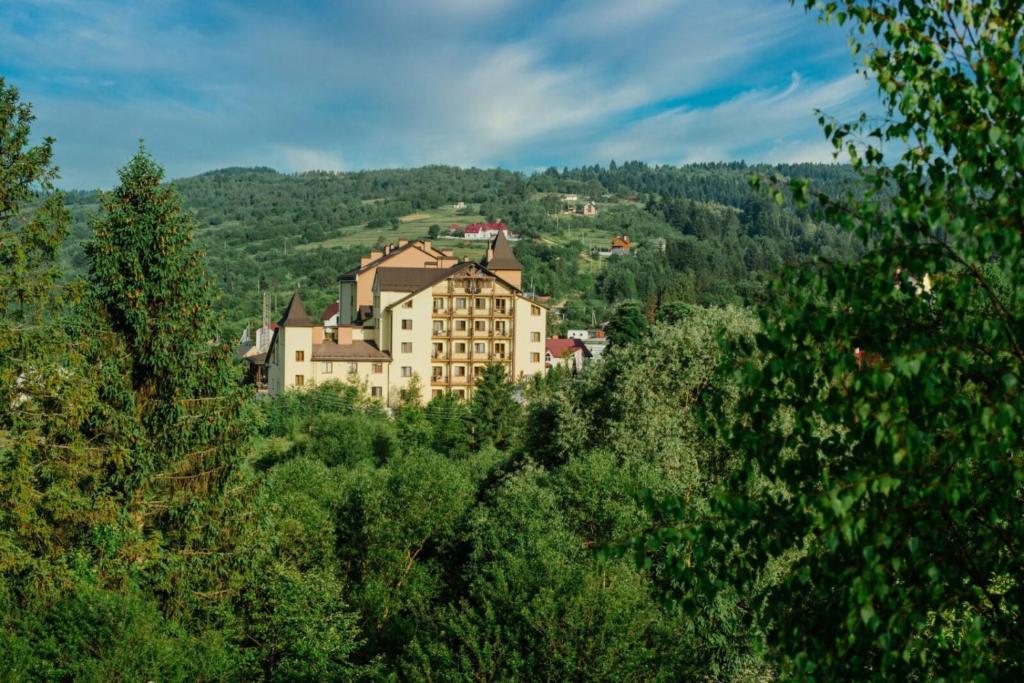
762,125
321,84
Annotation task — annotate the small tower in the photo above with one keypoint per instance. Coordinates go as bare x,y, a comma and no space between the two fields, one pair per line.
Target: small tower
292,353
503,262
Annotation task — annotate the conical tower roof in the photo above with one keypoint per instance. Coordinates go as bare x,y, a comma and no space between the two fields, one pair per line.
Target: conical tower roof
295,315
500,255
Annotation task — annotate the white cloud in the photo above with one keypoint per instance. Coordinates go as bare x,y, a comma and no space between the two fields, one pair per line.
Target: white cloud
394,83
305,159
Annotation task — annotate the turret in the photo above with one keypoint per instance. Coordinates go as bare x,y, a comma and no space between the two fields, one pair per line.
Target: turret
503,262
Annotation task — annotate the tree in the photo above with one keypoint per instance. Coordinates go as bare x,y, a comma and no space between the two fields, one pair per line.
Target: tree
154,294
884,417
450,417
52,435
28,238
496,413
434,231
627,325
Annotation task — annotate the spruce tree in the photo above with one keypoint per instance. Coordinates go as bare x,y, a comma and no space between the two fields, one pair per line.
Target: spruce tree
497,416
156,297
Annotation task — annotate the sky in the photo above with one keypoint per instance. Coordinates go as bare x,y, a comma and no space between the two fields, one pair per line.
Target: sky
336,85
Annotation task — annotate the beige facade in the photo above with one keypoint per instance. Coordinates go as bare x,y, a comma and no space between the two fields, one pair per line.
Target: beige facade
357,284
441,323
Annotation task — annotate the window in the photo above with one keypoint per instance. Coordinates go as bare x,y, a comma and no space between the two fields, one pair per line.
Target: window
300,356
478,370
460,347
438,350
460,303
353,368
327,368
534,310
406,323
481,302
459,370
377,369
480,325
500,328
437,372
438,327
460,325
300,380
406,371
534,357
535,336
499,305
376,392
436,392
479,347
406,347
439,304
407,304
461,393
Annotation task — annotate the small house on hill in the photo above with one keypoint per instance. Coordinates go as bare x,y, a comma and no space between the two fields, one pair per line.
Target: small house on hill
484,231
567,353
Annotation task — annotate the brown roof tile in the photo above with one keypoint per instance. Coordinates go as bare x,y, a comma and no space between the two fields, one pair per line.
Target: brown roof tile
295,315
501,255
397,250
356,351
411,279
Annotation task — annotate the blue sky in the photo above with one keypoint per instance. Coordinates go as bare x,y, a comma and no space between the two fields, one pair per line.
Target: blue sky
523,84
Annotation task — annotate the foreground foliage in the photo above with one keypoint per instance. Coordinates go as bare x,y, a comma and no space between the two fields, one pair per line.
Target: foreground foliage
885,419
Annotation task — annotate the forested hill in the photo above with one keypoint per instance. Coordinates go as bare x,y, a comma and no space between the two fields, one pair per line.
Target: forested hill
704,234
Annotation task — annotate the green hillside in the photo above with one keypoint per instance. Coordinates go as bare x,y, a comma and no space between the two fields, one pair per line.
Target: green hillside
703,234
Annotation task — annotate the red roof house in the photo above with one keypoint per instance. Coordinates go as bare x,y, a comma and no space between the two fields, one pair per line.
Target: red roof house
570,353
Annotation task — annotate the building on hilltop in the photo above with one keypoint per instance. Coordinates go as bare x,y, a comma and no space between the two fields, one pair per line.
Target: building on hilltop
589,209
483,231
412,311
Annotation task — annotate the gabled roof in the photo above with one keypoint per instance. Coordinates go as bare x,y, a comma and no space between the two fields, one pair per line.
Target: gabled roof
356,351
559,347
474,228
330,311
397,250
501,255
295,315
443,273
410,279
